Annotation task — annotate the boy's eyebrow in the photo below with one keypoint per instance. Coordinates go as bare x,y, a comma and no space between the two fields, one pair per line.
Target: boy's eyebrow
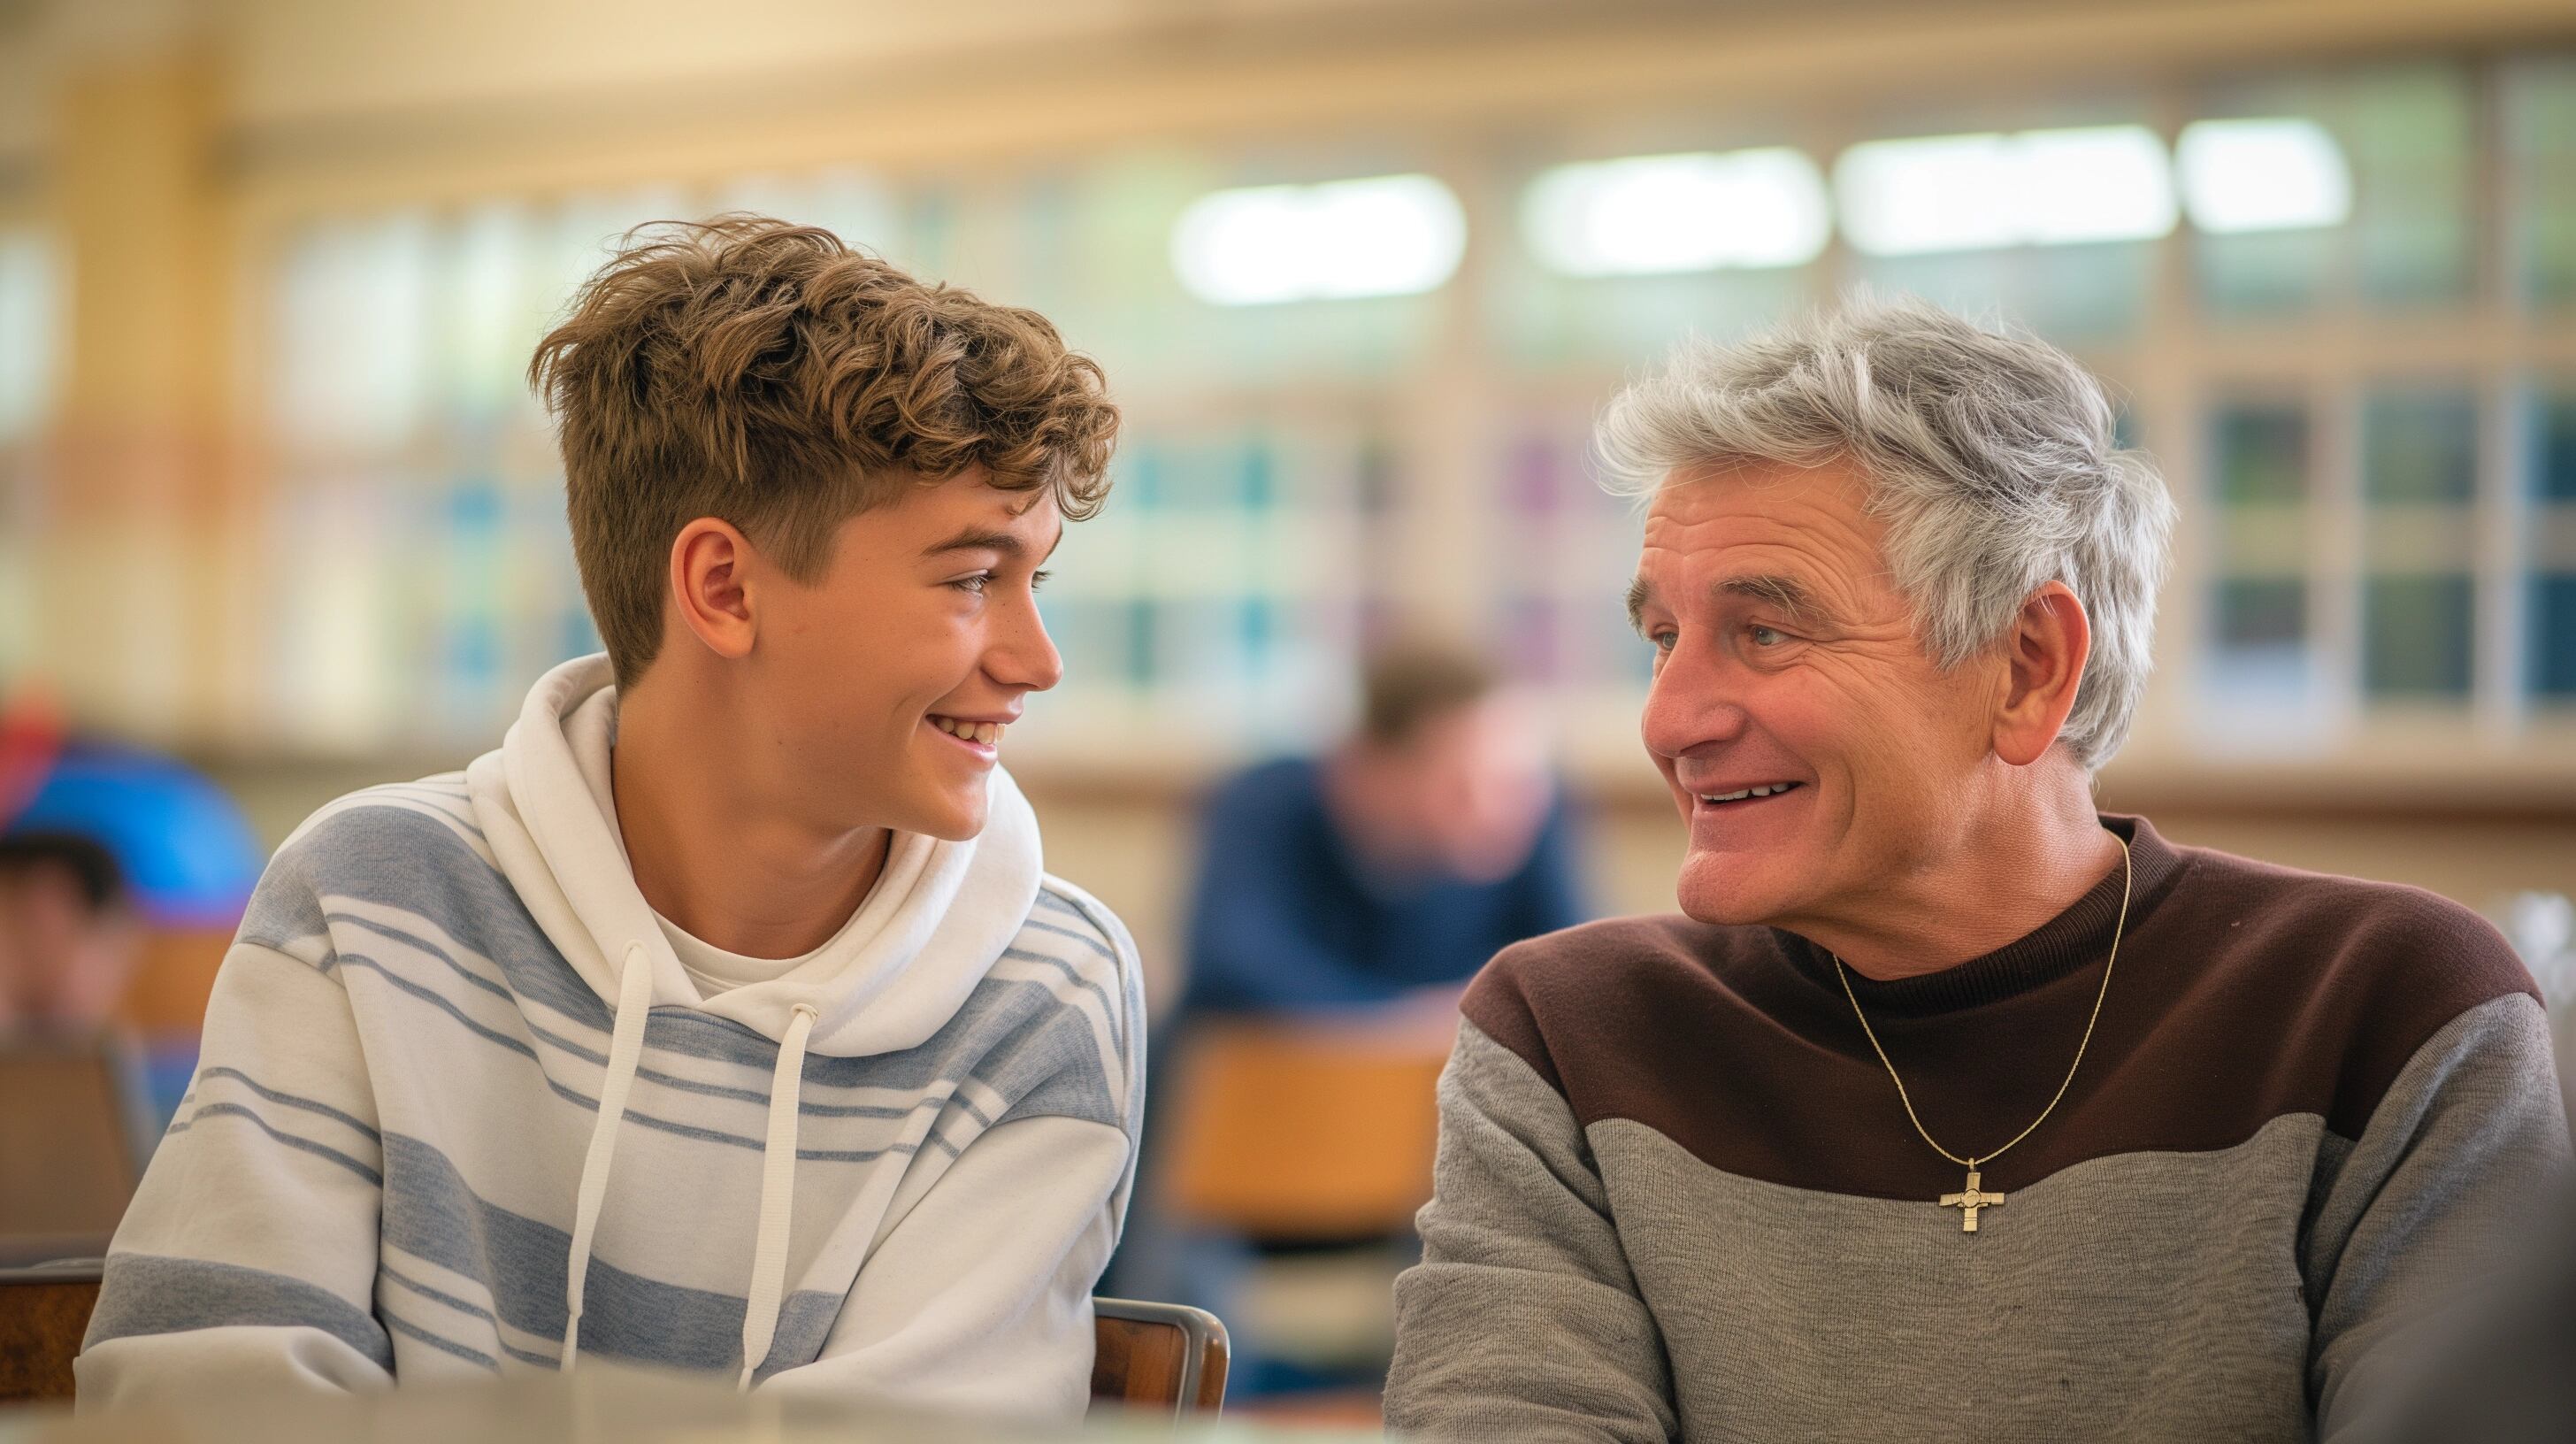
985,539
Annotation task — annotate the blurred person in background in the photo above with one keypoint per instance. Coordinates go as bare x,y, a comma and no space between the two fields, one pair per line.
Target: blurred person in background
1874,1142
1387,871
69,933
105,848
1355,890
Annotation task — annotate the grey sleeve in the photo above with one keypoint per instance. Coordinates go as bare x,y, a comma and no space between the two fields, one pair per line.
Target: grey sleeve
2426,1210
1522,1321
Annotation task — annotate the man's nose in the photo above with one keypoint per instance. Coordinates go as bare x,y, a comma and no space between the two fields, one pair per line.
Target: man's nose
1689,706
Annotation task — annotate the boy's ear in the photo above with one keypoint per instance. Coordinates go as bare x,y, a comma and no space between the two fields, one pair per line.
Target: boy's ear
711,589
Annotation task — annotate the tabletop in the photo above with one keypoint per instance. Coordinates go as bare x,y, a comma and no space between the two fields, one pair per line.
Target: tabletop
609,1404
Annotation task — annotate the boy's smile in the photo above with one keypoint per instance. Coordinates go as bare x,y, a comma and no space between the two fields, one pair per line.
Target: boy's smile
892,678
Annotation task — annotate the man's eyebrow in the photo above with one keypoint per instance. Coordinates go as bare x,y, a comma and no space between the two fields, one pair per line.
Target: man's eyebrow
1782,592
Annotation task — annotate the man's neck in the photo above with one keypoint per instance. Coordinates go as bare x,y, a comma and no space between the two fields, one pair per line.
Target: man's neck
712,849
2027,858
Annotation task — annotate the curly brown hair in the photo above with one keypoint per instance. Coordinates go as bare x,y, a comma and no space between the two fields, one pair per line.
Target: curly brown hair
767,375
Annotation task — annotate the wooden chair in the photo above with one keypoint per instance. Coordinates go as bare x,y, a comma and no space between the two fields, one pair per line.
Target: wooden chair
1165,1357
1306,1131
44,1310
75,1130
1150,1356
166,997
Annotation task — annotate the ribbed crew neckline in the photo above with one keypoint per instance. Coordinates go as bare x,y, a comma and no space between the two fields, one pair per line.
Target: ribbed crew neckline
2073,940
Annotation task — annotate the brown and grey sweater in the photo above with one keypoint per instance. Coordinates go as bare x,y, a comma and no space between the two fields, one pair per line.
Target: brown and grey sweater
1677,1197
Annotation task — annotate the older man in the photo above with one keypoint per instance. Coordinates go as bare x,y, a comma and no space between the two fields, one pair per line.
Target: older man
1953,1110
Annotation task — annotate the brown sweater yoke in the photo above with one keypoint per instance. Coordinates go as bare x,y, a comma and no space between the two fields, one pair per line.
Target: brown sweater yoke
2244,992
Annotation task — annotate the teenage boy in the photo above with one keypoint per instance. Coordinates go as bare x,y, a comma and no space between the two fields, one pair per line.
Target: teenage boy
723,1017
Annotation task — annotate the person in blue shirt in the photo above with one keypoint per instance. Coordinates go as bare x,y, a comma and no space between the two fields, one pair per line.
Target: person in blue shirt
1390,869
102,844
1368,883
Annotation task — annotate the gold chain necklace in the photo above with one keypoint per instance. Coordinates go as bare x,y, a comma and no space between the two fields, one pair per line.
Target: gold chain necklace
1971,1199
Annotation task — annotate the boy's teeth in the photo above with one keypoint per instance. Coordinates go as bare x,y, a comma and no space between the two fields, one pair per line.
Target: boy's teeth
987,733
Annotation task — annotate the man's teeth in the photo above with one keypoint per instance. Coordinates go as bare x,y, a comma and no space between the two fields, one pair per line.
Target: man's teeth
1774,788
987,733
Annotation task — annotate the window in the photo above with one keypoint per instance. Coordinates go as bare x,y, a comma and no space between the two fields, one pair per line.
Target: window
2419,486
2550,626
2260,636
31,287
1390,235
2540,165
1656,214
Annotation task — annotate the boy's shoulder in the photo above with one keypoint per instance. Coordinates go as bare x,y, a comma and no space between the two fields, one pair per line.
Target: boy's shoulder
391,842
1072,927
1074,939
389,809
393,836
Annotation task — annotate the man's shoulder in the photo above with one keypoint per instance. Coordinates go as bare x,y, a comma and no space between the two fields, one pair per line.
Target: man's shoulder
1597,983
1597,953
2426,953
2342,981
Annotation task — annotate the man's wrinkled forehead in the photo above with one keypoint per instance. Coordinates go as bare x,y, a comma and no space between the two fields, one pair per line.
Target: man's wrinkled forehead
1783,536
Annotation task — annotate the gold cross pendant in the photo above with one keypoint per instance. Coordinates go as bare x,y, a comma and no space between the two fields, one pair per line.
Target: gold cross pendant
1969,1202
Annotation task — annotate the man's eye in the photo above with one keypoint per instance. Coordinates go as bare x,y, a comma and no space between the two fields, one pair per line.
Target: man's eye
1766,636
1663,640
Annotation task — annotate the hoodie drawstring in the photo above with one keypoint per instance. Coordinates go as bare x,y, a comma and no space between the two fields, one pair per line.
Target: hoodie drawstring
625,1052
777,1195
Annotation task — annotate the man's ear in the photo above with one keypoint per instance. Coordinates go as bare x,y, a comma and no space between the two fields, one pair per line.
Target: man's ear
712,587
2044,651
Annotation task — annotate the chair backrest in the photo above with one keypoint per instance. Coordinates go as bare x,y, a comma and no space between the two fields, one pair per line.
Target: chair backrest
1166,1357
1305,1131
75,1129
43,1313
166,997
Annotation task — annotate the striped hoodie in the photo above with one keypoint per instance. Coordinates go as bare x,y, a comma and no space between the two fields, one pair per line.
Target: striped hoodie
462,1111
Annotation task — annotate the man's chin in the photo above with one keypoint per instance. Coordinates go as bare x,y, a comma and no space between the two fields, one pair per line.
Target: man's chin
1722,889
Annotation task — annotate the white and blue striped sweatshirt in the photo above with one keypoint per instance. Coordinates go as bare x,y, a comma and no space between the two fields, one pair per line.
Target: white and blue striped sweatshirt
460,1110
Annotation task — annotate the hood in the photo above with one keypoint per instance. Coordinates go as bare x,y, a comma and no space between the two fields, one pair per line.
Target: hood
938,917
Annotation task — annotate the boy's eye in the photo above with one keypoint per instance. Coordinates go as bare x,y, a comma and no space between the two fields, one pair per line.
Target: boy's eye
976,583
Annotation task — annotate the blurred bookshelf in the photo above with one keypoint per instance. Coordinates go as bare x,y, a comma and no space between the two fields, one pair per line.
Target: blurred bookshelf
2370,424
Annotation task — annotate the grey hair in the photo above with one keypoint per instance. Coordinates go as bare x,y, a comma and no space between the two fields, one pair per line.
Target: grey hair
1990,455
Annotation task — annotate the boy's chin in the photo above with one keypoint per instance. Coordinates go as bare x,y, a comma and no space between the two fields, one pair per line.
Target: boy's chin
951,817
